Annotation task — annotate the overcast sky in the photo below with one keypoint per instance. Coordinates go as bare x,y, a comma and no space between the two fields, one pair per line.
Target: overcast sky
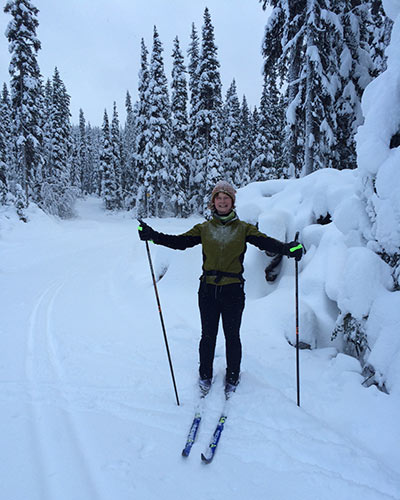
96,45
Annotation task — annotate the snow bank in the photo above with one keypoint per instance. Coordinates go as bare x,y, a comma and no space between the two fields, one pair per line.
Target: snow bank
379,187
378,163
86,395
339,275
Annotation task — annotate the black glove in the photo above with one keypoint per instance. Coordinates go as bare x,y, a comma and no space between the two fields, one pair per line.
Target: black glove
294,249
146,233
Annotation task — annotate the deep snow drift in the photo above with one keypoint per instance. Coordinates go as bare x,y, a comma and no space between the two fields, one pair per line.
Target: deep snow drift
87,404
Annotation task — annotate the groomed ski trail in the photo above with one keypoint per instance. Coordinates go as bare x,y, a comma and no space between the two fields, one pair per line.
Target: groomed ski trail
87,406
45,379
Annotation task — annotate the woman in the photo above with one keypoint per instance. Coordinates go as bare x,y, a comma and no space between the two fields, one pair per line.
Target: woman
221,293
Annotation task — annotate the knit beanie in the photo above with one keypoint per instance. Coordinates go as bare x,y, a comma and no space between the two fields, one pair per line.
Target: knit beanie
223,187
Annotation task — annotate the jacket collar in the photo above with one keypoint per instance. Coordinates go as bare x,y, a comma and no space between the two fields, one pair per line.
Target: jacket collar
225,219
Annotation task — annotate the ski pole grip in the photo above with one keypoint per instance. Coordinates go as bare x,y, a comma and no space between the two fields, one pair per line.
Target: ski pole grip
140,228
293,249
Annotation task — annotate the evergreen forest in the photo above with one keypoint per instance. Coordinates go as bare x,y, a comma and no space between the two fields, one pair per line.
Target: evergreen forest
182,133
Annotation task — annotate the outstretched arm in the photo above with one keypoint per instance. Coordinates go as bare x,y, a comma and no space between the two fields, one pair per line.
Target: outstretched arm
263,242
177,242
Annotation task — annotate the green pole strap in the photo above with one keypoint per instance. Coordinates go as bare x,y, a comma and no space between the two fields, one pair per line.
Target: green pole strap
296,248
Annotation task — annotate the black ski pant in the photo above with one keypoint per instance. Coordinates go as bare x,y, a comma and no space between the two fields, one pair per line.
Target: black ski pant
226,301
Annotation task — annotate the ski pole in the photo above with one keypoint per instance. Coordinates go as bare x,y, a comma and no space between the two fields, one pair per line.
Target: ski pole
161,317
297,326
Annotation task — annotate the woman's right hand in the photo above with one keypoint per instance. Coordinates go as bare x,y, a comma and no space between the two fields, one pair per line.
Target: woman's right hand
146,233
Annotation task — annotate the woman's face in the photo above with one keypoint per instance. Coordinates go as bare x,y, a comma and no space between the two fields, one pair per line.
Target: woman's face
223,203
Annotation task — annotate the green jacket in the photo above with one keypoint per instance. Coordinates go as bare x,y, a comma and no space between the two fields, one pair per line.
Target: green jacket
224,246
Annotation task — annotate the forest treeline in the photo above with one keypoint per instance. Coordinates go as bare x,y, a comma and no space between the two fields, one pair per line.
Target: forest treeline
181,134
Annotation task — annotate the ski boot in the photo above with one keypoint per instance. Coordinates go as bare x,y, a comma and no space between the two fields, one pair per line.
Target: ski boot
204,386
231,382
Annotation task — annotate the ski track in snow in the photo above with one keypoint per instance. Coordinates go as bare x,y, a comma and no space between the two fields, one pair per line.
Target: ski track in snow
70,455
101,420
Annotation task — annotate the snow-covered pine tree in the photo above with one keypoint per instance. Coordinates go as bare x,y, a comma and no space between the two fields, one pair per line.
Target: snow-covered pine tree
279,137
57,193
157,148
213,160
195,178
47,129
129,186
360,54
75,170
379,30
305,63
207,121
246,140
3,166
267,163
6,157
180,149
322,49
108,184
116,152
85,167
283,52
20,202
142,134
254,125
262,167
320,74
193,54
231,142
93,136
26,96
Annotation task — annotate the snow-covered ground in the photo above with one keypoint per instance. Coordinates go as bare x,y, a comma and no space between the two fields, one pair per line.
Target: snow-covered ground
87,408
